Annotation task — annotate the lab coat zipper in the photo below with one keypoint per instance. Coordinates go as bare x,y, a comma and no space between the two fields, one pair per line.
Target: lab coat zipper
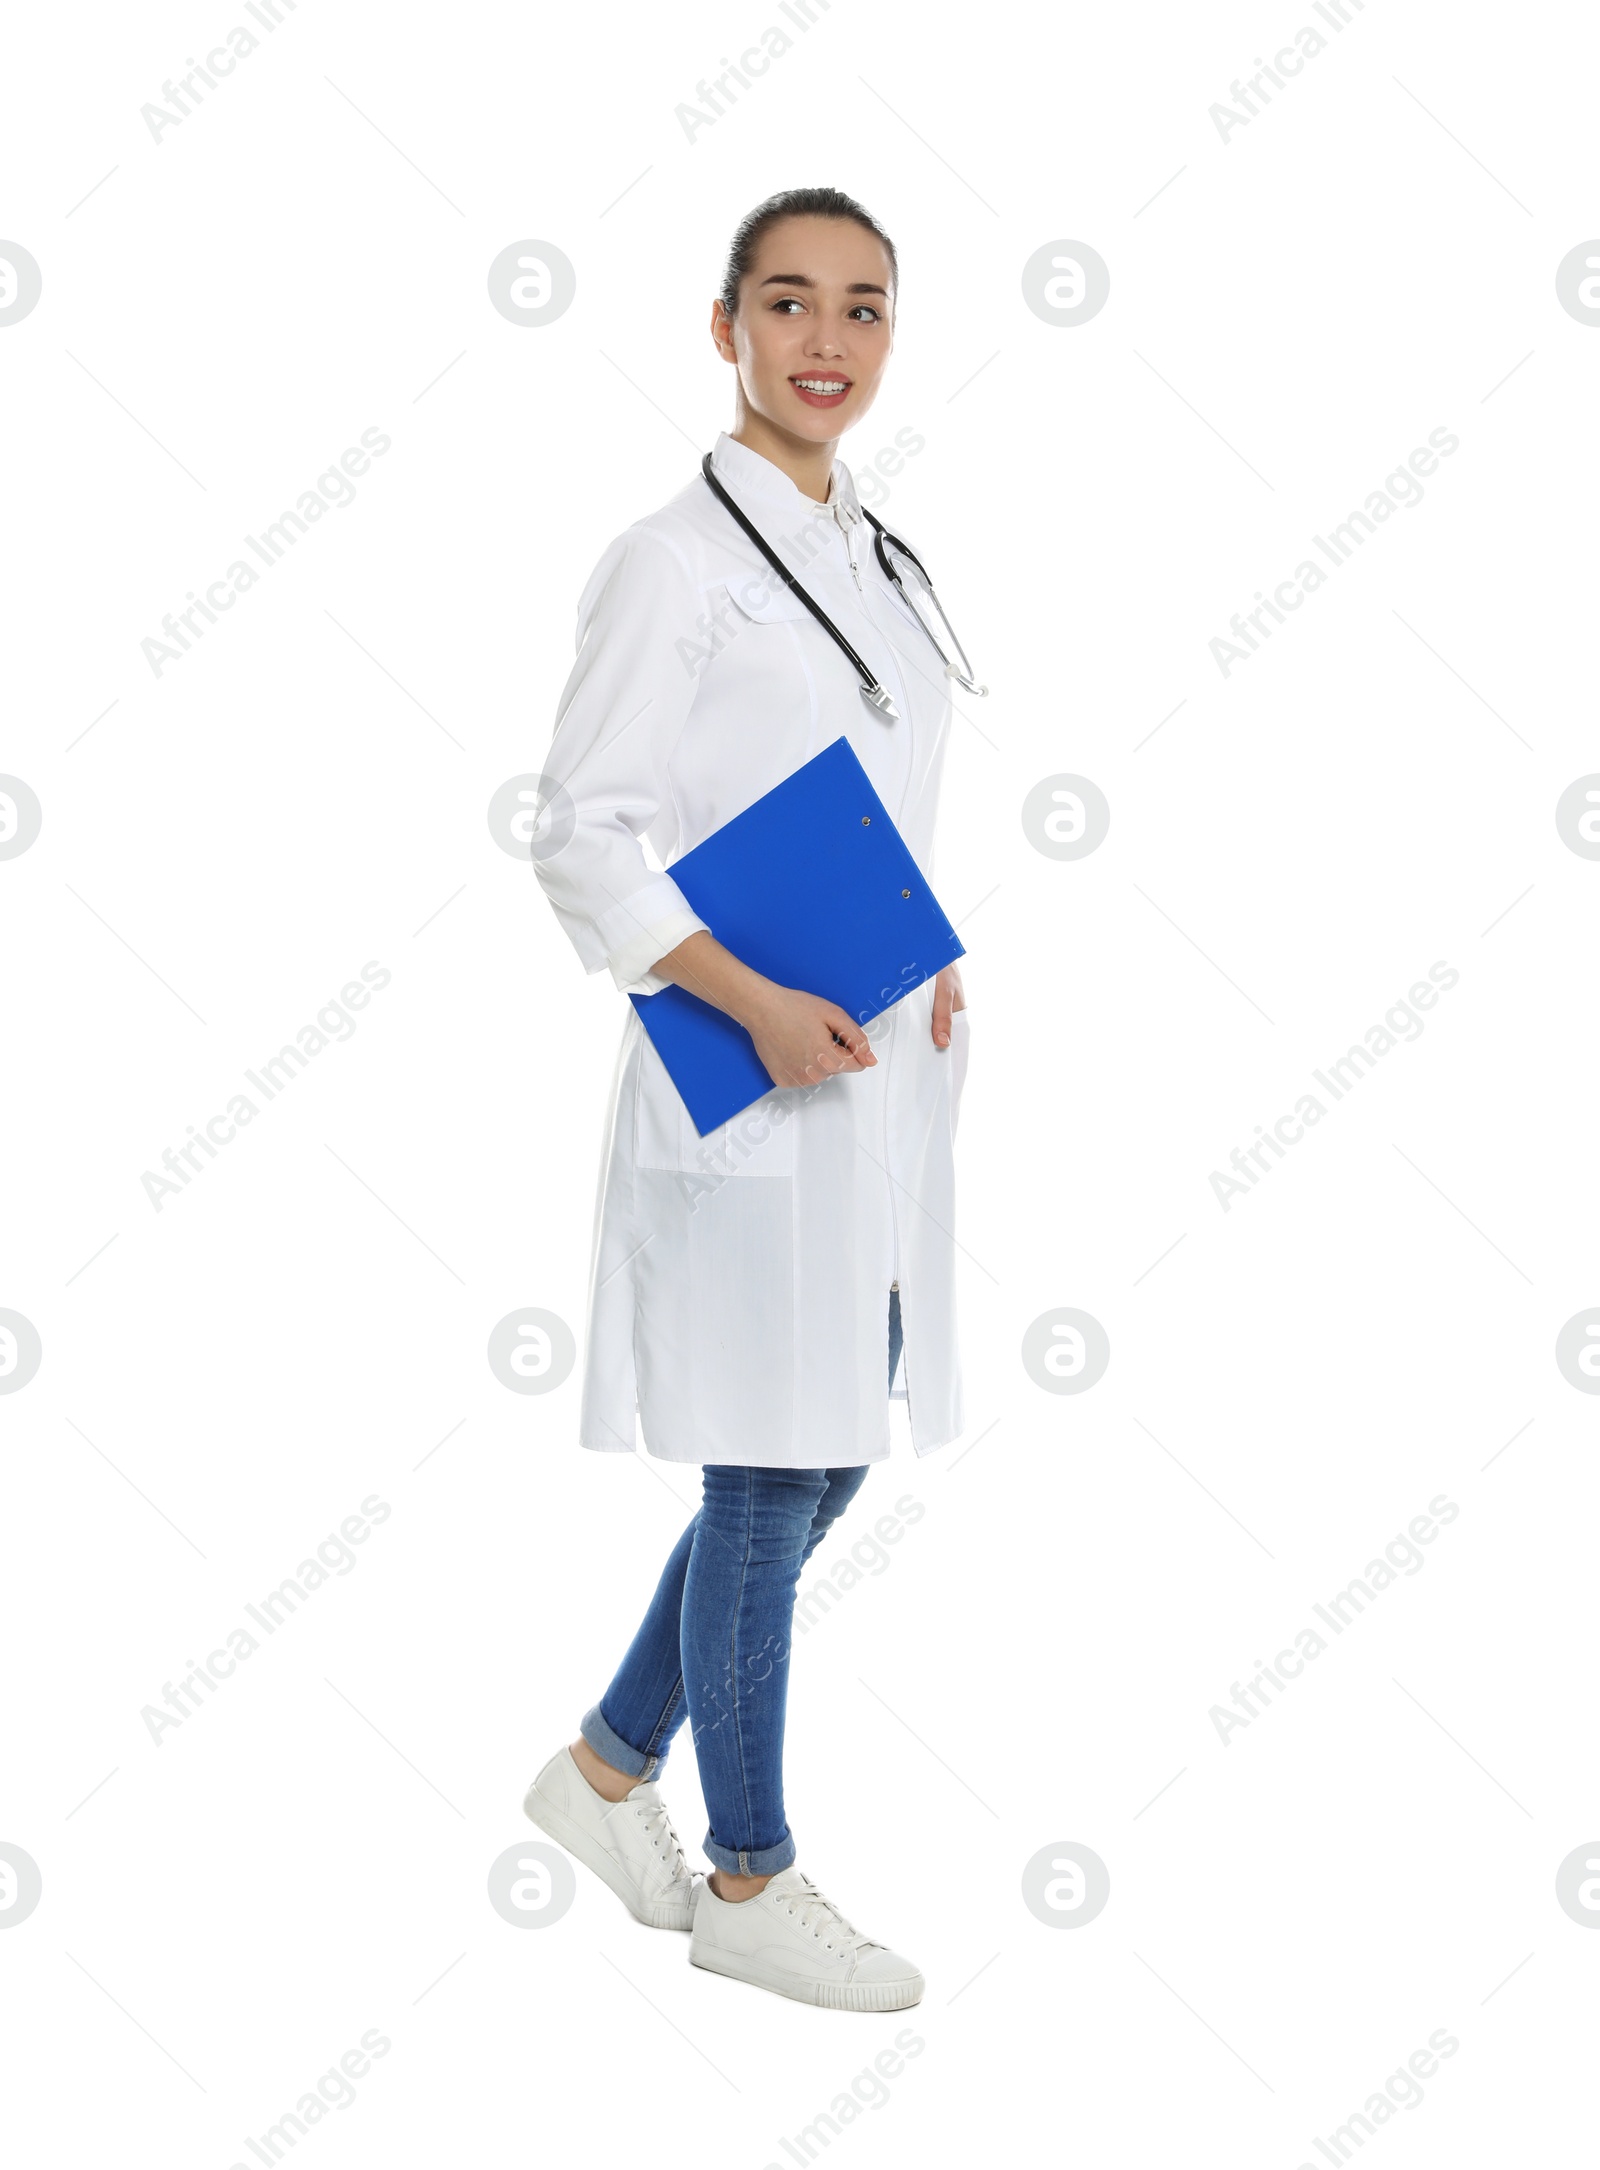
894,1217
888,1163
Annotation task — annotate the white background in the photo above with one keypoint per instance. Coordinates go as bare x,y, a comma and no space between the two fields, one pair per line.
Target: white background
1292,845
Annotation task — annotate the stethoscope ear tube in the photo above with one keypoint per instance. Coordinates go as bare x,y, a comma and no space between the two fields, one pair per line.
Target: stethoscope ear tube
962,676
873,692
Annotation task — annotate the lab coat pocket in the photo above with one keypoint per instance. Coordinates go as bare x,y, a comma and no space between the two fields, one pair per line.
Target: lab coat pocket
766,647
663,1135
754,1142
758,1141
765,598
960,1047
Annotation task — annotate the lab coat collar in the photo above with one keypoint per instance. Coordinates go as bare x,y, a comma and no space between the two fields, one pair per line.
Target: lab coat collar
751,478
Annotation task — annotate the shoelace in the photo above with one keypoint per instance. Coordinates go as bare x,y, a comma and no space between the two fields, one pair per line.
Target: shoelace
811,1907
658,1829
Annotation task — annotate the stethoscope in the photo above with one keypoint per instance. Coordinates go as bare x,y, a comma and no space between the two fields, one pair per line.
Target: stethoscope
873,691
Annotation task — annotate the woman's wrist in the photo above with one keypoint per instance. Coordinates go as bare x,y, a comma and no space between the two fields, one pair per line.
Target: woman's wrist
701,964
750,1001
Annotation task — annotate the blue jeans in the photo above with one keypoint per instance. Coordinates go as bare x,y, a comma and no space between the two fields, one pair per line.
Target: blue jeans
714,1649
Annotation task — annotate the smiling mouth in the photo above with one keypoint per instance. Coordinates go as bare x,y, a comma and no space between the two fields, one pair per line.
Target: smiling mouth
823,389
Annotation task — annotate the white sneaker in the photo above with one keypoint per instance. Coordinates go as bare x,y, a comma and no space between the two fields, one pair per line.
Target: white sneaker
630,1844
791,1939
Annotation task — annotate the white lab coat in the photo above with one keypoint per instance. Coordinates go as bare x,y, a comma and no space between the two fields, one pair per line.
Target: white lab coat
739,1290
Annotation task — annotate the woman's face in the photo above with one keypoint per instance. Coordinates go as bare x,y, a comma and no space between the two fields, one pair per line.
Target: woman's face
814,310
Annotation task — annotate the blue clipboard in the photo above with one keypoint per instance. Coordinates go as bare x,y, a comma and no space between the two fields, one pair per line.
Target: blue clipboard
815,887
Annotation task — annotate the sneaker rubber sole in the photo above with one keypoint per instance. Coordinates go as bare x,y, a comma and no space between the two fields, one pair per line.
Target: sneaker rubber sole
835,1996
658,1914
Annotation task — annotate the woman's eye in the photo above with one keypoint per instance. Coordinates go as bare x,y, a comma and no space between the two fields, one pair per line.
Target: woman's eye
862,309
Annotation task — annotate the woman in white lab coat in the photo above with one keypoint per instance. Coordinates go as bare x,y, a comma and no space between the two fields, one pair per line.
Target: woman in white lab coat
751,1291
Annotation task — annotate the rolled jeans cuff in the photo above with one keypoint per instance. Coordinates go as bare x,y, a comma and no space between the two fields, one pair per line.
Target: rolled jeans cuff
613,1749
750,1860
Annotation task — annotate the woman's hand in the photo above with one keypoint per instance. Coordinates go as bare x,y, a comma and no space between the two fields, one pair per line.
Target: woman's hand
947,999
798,1036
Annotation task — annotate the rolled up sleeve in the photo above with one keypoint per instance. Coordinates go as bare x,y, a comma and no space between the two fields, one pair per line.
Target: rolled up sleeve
621,715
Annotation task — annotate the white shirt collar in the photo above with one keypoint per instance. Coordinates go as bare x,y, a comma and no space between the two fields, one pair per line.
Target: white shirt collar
750,475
